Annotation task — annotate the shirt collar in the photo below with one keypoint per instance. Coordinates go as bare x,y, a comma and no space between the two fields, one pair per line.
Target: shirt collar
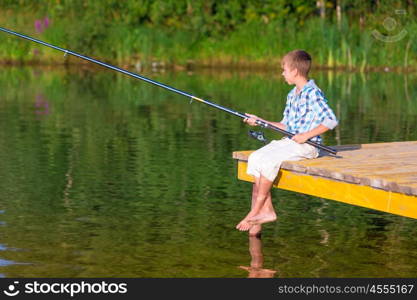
310,84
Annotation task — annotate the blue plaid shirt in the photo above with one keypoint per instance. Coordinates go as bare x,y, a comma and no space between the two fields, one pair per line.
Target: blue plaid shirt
307,110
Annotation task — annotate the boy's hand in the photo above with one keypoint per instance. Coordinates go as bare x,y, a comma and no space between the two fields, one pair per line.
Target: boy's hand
251,120
300,138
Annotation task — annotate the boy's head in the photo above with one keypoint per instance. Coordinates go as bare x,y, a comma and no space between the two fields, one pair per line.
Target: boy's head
296,63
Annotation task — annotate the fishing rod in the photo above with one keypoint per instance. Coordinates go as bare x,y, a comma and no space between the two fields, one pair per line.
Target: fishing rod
137,76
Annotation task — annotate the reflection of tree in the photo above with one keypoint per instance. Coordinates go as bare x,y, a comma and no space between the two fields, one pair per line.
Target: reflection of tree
256,270
72,158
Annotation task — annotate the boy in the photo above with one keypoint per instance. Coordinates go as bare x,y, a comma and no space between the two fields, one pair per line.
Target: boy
306,115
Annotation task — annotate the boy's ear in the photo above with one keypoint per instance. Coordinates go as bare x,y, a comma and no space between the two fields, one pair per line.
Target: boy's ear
296,73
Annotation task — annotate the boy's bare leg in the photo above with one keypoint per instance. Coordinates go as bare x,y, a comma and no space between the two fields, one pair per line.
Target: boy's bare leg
244,225
255,230
262,210
265,209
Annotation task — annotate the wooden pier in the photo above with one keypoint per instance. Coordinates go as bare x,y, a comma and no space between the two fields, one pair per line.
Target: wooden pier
380,176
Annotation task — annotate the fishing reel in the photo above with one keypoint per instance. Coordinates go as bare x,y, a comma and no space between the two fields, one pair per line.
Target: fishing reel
258,135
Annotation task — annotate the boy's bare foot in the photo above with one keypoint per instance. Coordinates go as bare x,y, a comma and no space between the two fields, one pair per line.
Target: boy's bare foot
243,225
262,218
255,230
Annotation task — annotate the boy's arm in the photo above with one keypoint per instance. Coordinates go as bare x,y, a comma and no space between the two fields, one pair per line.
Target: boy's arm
251,120
303,137
280,125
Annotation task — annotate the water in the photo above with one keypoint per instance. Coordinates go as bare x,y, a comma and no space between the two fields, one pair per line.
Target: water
106,176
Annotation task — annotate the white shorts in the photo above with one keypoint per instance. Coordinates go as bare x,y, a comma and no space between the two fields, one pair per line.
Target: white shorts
267,160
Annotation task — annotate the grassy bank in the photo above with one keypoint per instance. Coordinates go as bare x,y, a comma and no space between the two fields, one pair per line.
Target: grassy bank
256,44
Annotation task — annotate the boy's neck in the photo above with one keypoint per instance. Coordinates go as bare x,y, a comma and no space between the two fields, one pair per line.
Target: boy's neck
300,83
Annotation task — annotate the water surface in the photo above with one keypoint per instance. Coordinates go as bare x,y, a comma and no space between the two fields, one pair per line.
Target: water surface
106,176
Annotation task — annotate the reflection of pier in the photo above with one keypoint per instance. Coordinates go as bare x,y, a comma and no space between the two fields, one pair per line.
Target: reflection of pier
380,176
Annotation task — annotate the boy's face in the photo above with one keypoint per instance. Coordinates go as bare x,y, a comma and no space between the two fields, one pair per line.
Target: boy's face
289,74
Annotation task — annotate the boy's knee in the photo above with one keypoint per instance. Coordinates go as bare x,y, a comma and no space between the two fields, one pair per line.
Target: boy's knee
255,157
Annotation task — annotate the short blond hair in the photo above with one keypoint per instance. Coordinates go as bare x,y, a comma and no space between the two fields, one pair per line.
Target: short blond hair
298,59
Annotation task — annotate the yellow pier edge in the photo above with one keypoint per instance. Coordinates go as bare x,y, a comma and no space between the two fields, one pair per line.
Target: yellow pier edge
355,194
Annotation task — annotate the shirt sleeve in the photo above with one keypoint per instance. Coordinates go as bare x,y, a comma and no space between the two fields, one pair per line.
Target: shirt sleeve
322,110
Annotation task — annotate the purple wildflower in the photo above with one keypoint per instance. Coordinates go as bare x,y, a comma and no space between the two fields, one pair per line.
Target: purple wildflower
41,25
46,22
38,26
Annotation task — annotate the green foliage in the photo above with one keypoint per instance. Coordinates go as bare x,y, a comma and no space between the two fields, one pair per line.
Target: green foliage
215,31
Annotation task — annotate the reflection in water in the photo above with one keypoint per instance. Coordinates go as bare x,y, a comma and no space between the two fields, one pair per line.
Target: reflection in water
255,269
3,248
4,262
102,176
41,105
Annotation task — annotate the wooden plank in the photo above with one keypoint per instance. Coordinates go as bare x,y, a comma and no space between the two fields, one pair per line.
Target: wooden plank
242,155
